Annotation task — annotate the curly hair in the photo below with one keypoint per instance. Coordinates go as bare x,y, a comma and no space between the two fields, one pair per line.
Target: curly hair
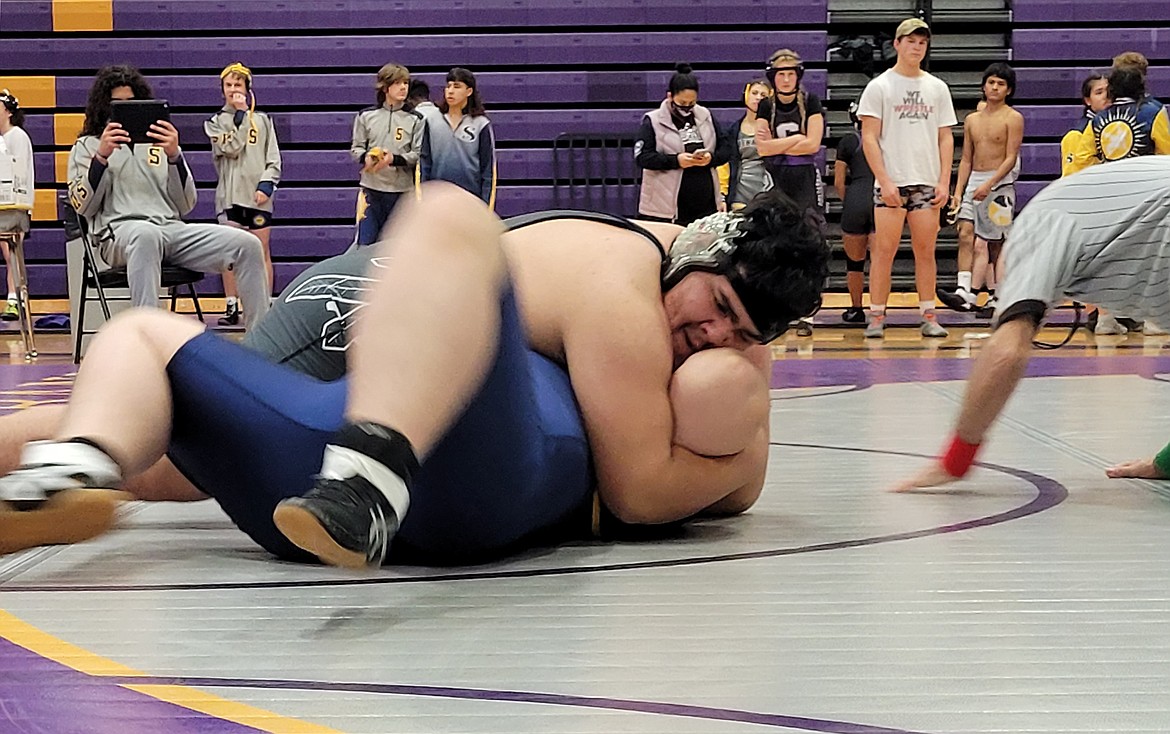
780,263
12,104
109,78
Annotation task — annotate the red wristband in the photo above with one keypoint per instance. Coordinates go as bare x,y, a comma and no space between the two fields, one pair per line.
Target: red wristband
959,457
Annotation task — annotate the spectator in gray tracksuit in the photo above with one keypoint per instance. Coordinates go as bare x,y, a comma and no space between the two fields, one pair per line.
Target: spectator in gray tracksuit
459,146
247,160
134,198
386,141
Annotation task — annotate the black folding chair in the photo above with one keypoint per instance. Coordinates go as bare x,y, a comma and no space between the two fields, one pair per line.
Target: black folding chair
173,276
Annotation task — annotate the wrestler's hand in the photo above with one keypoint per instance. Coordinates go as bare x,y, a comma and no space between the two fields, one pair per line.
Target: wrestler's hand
112,138
941,196
982,192
167,136
260,198
891,197
1136,469
932,476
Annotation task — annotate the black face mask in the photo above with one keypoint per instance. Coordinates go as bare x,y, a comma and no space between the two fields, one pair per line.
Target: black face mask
683,111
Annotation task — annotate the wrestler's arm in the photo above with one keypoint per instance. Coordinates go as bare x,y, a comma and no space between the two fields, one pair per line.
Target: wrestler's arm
744,497
621,386
998,370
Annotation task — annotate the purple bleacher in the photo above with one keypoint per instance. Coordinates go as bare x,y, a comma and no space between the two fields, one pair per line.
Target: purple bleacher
337,14
1086,43
1061,11
1025,190
1050,120
294,242
478,50
1052,82
1040,159
26,15
503,88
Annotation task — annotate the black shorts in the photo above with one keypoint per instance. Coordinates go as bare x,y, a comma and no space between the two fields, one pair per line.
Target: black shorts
246,217
857,210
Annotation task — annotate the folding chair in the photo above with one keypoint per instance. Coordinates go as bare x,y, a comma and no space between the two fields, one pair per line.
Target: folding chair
173,276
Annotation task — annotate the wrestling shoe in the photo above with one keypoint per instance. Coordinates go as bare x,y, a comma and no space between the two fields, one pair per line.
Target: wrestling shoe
48,467
876,327
231,315
1152,329
987,310
804,328
11,312
955,300
344,522
931,327
853,315
1107,325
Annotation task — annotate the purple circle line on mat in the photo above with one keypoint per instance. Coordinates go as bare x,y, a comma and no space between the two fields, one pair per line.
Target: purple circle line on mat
1049,493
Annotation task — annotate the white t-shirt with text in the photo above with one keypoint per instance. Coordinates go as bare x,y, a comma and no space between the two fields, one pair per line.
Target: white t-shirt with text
912,109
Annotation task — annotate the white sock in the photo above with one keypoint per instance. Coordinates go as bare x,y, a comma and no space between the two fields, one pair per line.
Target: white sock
965,280
926,307
877,309
341,462
11,297
231,300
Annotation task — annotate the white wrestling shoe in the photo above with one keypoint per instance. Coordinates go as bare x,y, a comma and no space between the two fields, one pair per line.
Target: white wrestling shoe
47,467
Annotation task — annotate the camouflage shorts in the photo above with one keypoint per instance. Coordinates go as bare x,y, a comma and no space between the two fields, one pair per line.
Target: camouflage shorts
914,197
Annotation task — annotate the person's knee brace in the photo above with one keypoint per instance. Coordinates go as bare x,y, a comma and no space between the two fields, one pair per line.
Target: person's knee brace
854,266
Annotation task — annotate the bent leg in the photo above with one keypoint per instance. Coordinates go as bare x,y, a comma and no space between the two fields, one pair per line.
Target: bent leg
214,248
139,247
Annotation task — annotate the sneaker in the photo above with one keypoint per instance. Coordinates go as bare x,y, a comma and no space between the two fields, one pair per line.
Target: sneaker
1131,324
876,327
1152,329
958,300
931,327
987,310
853,315
804,328
344,522
48,467
1107,326
231,315
11,312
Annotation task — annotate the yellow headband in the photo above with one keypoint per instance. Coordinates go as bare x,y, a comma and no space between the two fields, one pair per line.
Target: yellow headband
238,68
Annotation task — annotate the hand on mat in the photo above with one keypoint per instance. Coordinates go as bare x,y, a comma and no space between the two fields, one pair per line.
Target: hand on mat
1136,469
932,476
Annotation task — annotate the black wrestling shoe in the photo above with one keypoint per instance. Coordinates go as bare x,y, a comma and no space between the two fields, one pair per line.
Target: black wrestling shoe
853,315
231,315
344,522
953,300
804,328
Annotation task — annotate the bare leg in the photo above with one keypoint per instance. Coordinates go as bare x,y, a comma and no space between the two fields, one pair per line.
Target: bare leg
122,399
443,289
980,264
966,230
855,247
264,235
8,258
888,225
923,235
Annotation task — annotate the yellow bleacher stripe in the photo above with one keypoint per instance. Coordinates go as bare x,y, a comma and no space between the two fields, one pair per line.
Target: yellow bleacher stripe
32,91
21,633
61,164
83,15
45,205
66,126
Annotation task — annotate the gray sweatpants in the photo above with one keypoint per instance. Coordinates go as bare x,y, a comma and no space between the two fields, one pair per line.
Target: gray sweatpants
142,248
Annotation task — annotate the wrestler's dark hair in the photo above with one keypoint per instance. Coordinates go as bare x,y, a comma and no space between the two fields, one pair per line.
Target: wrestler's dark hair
1001,70
683,79
780,263
418,92
474,106
1126,81
1087,84
109,78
